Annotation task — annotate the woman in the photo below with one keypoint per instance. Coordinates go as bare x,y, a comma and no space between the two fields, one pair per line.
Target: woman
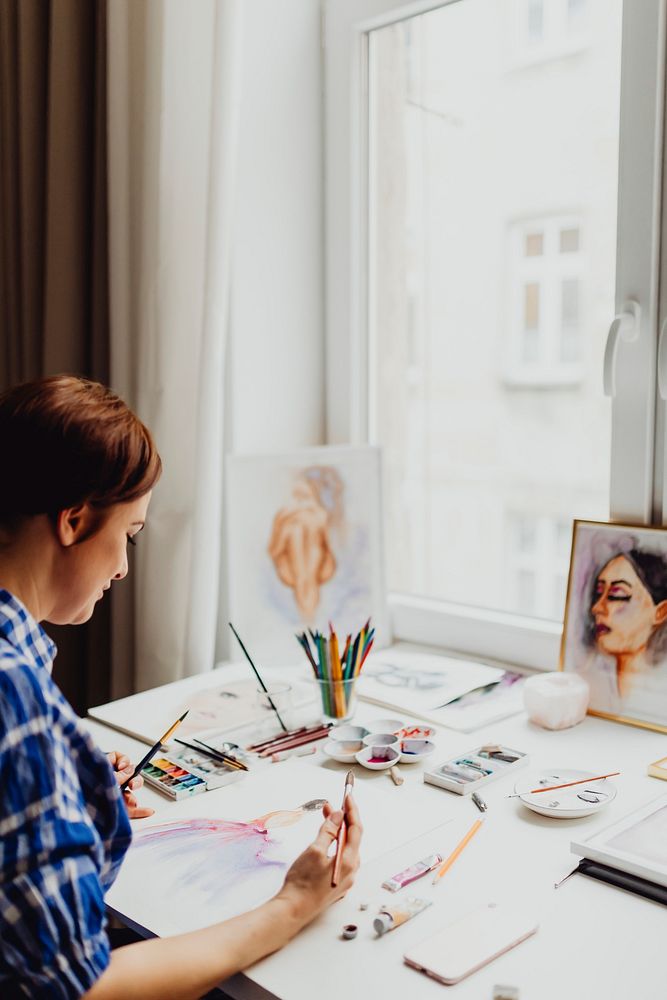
300,543
78,471
627,612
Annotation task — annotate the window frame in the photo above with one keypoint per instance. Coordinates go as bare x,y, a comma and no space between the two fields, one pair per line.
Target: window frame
637,469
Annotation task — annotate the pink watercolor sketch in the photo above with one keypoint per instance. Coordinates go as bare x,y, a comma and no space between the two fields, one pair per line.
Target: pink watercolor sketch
305,546
196,871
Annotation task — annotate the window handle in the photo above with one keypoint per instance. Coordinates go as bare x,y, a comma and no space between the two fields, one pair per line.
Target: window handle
662,362
624,326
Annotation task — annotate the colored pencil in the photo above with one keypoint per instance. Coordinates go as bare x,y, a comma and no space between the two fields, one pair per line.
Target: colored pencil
447,864
257,675
279,738
289,737
296,742
566,784
342,832
153,750
333,669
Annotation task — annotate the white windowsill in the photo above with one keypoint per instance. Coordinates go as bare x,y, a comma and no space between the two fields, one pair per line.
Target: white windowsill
509,640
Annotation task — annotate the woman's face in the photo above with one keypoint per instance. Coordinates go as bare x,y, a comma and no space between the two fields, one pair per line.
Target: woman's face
623,610
92,564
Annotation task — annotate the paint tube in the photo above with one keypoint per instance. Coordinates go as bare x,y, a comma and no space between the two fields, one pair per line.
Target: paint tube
416,871
393,916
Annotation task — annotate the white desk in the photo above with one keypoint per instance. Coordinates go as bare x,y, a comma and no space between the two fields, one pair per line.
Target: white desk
594,940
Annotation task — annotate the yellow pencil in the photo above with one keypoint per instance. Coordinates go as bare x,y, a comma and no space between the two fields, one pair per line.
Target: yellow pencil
337,676
447,864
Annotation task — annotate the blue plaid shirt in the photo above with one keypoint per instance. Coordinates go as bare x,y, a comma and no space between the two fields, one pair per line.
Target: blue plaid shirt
64,829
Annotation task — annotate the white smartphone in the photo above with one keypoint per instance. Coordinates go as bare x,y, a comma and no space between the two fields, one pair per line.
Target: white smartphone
466,945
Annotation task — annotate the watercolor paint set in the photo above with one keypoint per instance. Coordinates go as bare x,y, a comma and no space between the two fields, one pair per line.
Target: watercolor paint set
182,773
468,771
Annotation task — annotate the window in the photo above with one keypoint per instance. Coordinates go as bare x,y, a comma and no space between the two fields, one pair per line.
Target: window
537,564
549,29
494,220
545,293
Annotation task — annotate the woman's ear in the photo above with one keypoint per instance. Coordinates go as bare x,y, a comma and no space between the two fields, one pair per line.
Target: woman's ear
661,613
73,524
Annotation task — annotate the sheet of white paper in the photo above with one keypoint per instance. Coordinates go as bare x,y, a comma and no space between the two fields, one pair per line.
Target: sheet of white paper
207,860
484,705
420,682
215,699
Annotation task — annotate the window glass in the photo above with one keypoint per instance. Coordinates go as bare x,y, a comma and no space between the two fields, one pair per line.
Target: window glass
492,230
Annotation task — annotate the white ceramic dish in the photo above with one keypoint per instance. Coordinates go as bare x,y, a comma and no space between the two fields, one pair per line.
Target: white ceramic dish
386,726
565,803
390,757
380,739
333,750
347,733
414,750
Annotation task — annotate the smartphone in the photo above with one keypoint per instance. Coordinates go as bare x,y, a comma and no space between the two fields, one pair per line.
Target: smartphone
466,945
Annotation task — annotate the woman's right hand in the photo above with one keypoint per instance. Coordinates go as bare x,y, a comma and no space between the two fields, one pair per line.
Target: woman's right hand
307,887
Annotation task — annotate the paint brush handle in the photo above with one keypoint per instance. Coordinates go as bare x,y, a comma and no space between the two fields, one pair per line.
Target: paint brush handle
342,832
141,765
258,676
338,860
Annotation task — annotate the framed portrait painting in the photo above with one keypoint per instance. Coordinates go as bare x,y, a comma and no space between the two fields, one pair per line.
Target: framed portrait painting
615,630
304,537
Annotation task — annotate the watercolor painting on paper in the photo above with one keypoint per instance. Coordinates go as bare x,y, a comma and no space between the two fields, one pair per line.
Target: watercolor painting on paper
200,870
305,546
615,633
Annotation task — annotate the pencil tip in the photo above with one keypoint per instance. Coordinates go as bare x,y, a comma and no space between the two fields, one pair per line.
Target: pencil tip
184,714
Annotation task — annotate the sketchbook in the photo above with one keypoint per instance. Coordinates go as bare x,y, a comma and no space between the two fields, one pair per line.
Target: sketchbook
426,685
214,703
636,844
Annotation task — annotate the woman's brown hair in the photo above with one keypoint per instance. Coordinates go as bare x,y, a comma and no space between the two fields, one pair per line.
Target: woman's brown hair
65,441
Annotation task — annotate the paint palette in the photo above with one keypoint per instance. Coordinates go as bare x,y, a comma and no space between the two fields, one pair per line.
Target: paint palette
185,772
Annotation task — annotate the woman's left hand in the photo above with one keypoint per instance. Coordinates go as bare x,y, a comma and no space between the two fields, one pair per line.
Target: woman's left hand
123,768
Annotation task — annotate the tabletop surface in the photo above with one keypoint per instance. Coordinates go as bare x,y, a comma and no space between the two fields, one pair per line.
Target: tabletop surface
593,940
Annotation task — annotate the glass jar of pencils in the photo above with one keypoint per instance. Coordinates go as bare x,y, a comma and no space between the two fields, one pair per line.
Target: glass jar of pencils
339,698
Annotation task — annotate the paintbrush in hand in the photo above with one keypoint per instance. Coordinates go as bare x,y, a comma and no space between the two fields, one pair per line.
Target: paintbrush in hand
342,832
153,750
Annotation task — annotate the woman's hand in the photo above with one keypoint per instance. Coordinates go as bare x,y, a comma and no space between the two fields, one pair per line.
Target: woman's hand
307,886
123,768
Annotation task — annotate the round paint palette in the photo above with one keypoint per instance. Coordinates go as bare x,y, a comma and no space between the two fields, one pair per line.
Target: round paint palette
565,803
343,752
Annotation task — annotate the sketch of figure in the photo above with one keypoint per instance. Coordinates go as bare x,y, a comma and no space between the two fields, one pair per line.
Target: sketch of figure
220,855
300,545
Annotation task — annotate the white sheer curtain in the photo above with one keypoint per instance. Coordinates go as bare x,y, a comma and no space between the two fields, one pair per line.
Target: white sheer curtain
173,97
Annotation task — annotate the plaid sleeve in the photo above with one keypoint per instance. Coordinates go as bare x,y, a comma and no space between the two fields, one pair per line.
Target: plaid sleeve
52,937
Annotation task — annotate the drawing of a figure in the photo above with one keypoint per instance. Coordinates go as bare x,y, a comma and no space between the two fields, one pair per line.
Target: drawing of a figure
221,854
625,626
407,677
300,545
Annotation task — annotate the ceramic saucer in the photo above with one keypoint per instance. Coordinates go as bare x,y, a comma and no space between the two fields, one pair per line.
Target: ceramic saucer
565,803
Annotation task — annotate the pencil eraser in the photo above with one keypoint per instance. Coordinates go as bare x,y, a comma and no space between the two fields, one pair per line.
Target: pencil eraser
505,992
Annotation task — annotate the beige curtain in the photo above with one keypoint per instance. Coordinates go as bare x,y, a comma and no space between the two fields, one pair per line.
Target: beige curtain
174,72
53,235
